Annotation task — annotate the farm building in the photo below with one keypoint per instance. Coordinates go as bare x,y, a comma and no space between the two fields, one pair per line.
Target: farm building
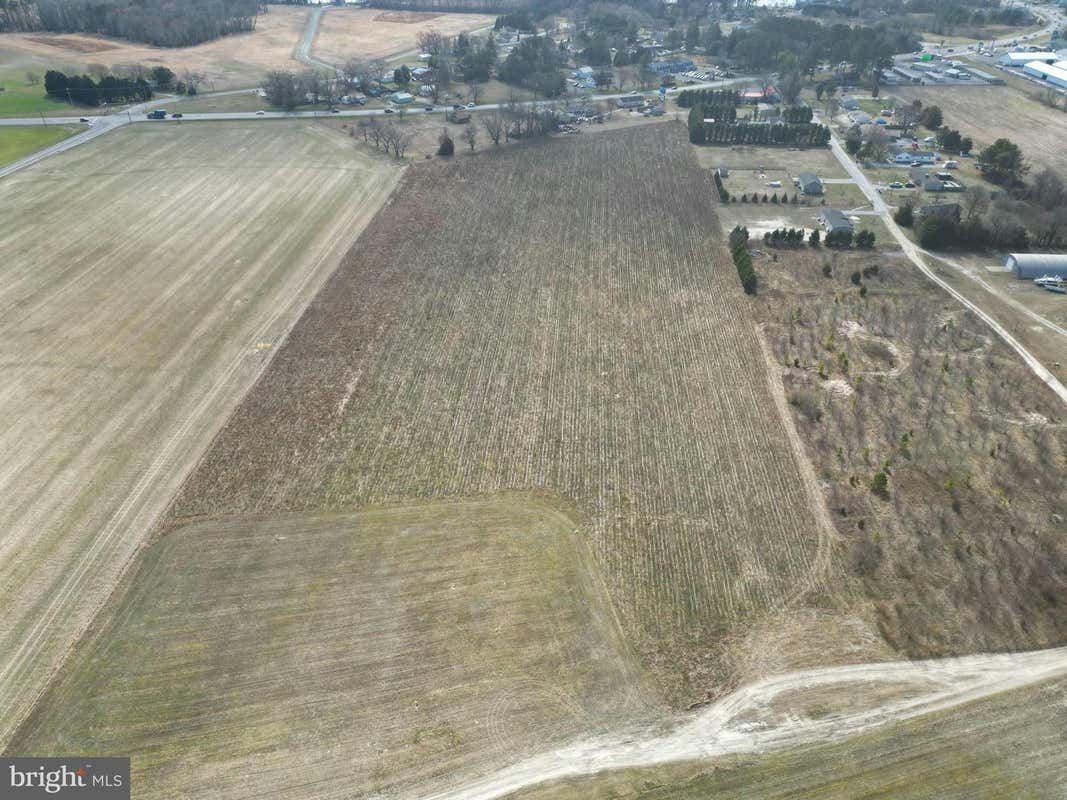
834,220
631,101
1053,74
1022,59
1036,265
402,97
809,183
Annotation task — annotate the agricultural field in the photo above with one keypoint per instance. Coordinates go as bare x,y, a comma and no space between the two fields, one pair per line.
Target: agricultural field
940,452
988,113
319,653
367,33
601,351
19,141
999,748
146,280
227,63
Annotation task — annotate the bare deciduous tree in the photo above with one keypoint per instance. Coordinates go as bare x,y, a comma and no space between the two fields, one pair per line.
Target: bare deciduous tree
494,125
470,136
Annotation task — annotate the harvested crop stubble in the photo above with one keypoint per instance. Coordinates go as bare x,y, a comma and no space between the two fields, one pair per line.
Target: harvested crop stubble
559,316
329,656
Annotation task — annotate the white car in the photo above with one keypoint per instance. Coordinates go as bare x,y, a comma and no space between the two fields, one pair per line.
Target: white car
260,113
470,105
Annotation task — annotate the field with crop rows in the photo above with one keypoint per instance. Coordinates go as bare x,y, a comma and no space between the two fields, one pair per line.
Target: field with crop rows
308,656
145,279
559,316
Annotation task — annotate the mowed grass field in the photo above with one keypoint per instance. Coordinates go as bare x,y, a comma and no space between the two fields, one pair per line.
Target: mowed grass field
321,655
16,142
229,62
1005,747
146,279
559,316
366,33
988,113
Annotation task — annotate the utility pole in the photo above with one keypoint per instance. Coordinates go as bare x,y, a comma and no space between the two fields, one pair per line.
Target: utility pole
43,120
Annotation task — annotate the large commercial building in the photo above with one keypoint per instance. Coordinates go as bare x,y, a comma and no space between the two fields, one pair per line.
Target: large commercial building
1053,74
1036,265
1022,59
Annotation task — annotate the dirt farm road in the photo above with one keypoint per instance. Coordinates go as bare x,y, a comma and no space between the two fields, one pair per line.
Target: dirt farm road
916,255
745,721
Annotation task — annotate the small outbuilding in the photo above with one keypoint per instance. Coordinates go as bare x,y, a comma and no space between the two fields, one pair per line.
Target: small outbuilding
1037,265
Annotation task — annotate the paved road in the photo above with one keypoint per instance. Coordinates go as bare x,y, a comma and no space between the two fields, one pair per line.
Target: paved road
916,254
1053,18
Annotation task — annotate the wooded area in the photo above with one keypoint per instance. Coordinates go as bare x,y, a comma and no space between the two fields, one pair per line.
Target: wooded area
157,22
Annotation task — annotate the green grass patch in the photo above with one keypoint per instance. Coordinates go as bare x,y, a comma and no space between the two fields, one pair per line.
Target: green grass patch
17,142
21,99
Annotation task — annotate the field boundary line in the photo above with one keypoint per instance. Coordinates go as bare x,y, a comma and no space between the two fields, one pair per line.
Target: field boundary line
828,535
14,717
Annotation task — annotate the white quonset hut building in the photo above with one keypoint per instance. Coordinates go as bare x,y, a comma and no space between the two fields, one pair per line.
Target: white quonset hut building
1036,265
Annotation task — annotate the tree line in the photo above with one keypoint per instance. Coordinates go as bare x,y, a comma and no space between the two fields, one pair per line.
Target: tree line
743,259
802,134
83,90
687,98
159,22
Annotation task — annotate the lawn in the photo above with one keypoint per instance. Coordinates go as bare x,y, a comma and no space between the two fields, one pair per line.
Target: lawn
21,99
16,142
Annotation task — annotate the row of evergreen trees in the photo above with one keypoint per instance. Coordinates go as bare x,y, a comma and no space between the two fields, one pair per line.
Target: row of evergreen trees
797,114
687,98
724,195
83,90
743,259
772,199
801,134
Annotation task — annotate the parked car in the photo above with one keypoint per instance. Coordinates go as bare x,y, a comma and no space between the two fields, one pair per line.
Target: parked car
896,185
